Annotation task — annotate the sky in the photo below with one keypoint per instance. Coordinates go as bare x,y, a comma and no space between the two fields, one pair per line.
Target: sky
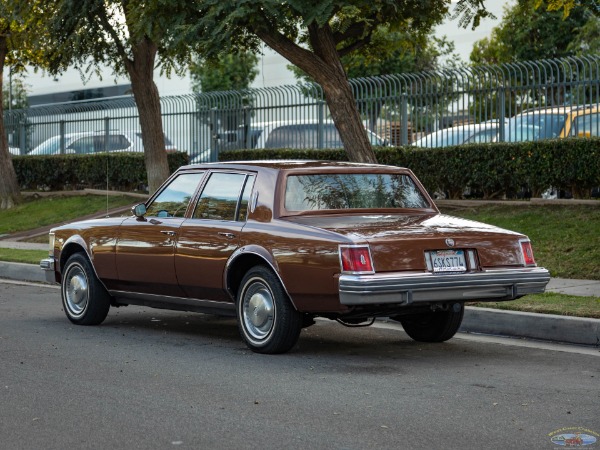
272,67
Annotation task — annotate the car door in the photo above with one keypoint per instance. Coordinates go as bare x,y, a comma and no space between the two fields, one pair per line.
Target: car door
146,246
212,234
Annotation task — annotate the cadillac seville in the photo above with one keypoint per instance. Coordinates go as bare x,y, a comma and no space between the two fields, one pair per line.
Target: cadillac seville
278,243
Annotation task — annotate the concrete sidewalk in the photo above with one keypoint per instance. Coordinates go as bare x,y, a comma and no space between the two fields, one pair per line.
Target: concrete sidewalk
548,327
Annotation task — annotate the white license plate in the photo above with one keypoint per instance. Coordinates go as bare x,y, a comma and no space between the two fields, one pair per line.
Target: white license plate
448,261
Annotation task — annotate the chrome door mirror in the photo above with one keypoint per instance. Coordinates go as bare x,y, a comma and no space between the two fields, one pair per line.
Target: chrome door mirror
139,210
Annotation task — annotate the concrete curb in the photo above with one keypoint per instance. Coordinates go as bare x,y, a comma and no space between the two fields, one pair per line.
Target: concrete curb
547,327
22,272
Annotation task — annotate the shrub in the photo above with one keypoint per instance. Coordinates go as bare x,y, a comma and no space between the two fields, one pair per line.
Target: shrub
492,170
120,171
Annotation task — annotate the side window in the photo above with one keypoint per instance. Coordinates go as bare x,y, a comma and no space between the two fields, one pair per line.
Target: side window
81,146
174,199
219,199
586,125
117,142
284,137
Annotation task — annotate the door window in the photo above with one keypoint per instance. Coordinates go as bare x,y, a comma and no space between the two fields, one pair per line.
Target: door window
174,199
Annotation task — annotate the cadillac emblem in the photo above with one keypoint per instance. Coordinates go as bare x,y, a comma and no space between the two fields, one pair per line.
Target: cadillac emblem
450,242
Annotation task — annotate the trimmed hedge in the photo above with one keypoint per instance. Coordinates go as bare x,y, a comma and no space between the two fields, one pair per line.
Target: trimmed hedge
493,170
125,171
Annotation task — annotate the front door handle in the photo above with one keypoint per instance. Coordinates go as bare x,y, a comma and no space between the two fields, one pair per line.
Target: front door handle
225,234
168,232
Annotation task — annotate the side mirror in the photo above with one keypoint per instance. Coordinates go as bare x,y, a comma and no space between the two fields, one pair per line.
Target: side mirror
139,210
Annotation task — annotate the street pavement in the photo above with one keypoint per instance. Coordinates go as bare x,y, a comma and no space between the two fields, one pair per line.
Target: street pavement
547,327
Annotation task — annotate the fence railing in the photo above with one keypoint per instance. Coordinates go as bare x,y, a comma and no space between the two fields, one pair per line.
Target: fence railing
509,102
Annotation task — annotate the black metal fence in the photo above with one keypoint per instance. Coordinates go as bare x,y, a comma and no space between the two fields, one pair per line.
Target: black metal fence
509,102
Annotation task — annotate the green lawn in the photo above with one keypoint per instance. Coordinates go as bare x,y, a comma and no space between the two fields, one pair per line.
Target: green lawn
551,303
38,212
23,256
565,239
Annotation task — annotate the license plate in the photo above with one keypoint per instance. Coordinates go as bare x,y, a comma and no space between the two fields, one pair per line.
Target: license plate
443,261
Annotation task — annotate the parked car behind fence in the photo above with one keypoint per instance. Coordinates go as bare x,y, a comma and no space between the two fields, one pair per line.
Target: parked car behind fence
95,142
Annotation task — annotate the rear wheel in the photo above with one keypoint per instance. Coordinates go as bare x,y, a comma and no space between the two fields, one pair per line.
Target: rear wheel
267,320
84,299
434,326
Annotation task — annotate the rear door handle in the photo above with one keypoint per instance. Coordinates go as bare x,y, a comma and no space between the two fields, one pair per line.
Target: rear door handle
225,234
168,232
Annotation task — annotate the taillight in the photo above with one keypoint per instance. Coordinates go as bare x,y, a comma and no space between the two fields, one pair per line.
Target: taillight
527,253
356,259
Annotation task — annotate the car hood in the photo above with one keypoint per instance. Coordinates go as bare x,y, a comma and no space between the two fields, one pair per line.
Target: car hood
399,241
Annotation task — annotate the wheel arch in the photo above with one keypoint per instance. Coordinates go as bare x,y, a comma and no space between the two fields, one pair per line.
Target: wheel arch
76,244
243,260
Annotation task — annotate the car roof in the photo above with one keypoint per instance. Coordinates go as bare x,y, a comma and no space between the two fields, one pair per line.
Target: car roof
580,109
293,165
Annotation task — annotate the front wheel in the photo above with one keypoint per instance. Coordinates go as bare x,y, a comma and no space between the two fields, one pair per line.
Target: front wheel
434,326
84,298
267,320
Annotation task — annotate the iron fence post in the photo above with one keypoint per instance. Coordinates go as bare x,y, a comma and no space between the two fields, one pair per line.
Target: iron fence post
106,132
62,137
404,120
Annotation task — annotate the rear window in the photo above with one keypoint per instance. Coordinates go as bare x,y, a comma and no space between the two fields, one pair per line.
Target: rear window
352,191
534,126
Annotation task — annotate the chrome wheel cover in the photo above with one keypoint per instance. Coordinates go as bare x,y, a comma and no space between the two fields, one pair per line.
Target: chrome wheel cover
258,310
76,290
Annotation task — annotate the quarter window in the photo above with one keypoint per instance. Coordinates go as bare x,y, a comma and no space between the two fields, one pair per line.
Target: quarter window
174,199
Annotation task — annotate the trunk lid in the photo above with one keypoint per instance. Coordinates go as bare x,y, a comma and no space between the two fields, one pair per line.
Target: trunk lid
399,242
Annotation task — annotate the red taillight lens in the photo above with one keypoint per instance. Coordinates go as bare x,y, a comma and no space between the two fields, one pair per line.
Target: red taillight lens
356,259
527,253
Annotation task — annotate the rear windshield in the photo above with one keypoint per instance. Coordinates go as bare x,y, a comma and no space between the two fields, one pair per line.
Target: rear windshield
352,191
534,126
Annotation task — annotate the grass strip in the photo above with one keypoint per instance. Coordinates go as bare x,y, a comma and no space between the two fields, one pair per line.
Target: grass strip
39,212
550,303
22,256
565,238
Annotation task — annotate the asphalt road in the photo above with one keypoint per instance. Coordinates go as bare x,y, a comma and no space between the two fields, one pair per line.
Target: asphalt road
160,379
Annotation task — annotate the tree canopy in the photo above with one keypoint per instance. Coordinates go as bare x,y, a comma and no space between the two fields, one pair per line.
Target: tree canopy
228,72
314,36
528,32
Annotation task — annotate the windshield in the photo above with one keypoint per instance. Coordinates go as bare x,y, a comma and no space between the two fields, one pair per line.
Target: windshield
535,126
352,191
48,147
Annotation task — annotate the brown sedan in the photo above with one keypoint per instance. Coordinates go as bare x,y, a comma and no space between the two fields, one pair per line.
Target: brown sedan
278,243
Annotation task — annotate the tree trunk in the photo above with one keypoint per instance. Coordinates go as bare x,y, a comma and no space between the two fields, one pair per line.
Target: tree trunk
145,92
9,187
325,67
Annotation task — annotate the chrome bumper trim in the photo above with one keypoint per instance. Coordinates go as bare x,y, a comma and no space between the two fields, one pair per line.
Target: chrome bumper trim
47,265
490,285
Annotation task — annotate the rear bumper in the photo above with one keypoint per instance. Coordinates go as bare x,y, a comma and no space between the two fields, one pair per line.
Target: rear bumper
490,285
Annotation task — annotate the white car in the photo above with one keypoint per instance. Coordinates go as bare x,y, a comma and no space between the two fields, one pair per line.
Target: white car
95,142
282,134
462,134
